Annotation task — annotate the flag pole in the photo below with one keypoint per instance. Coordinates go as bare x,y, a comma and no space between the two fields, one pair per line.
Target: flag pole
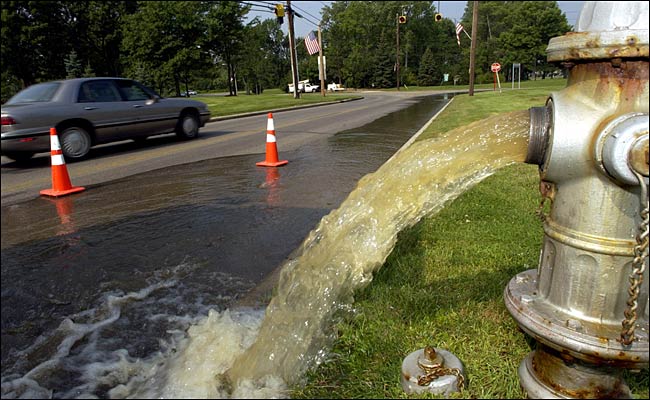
322,65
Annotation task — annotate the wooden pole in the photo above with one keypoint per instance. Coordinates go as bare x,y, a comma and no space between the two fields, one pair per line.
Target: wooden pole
397,54
292,49
472,51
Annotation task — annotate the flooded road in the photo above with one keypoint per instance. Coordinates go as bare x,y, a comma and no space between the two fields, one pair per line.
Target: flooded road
136,260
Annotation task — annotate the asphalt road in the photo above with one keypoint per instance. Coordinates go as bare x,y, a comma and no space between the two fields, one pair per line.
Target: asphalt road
230,137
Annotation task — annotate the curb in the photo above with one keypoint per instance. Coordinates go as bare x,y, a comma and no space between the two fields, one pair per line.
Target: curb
418,133
276,110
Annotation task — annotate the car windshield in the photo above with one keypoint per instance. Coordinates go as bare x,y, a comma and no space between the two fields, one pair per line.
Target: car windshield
41,92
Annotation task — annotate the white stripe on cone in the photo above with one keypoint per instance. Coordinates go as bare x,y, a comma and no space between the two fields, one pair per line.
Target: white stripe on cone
270,138
269,125
54,142
57,159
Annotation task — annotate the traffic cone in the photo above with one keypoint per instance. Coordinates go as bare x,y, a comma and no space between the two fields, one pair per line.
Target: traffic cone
61,185
271,148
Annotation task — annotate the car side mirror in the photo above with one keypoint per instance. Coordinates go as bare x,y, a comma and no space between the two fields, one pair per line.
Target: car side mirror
151,101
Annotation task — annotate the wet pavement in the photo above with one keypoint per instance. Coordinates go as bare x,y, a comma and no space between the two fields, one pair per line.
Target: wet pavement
205,232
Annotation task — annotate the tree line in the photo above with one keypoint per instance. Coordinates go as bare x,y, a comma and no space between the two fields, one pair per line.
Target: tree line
172,46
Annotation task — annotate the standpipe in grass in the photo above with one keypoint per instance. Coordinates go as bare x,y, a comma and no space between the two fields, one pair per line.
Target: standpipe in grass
586,305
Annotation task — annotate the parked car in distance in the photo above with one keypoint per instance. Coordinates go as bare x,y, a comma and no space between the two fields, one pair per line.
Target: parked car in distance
189,93
335,87
304,87
309,88
91,111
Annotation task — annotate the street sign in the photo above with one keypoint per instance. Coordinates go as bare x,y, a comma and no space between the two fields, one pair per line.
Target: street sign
496,67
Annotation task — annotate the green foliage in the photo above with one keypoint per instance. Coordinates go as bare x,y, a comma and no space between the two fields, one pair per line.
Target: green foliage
515,32
427,73
33,40
88,71
73,66
384,73
262,61
169,35
225,35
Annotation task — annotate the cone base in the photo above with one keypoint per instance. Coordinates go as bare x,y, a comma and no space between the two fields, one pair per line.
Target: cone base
272,164
59,193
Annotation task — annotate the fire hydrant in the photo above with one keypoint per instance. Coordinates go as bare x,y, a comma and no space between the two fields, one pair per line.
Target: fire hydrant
586,305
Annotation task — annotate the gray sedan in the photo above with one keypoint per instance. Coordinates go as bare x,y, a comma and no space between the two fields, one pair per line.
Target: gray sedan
91,111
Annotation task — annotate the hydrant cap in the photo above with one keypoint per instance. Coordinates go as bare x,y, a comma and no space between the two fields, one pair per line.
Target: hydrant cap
597,16
619,28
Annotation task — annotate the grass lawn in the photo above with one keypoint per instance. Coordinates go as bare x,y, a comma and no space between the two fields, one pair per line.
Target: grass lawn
443,283
271,99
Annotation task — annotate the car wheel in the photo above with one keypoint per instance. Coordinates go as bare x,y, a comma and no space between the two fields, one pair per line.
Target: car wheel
188,126
19,155
75,143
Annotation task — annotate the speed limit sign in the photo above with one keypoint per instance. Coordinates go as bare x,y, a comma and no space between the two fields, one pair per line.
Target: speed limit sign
496,67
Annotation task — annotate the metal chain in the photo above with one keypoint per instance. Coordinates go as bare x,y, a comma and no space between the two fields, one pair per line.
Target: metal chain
433,372
638,267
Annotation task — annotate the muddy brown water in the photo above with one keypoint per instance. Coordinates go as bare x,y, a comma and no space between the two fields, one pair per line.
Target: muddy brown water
125,267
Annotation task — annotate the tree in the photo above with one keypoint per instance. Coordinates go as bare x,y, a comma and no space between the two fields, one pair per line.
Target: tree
262,52
362,32
73,66
88,71
33,39
95,28
225,34
427,72
384,72
515,31
165,37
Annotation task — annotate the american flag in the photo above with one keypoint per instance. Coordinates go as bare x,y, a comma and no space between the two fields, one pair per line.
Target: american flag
459,29
311,42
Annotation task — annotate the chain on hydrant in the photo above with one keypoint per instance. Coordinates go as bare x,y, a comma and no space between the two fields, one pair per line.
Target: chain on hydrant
638,267
433,370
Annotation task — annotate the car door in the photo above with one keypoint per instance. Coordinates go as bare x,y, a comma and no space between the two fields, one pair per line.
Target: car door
100,102
152,115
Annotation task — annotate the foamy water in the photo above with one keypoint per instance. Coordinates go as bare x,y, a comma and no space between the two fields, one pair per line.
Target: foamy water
247,353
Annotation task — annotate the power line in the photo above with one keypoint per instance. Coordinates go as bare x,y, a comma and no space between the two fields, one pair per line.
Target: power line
311,15
263,5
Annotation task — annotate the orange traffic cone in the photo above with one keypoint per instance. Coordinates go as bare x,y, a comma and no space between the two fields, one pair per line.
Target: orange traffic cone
61,185
271,148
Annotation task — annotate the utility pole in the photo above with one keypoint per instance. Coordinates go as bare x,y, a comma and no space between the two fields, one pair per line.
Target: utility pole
472,51
321,69
292,49
397,55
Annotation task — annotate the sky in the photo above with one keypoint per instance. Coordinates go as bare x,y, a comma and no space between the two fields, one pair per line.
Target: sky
310,10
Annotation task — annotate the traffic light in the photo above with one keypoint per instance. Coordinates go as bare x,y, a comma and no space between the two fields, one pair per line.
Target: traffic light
279,13
438,17
402,19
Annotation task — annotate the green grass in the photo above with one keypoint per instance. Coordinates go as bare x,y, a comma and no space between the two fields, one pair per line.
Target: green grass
272,99
443,283
466,109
